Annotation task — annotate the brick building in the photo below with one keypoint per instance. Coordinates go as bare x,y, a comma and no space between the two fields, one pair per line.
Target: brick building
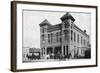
65,39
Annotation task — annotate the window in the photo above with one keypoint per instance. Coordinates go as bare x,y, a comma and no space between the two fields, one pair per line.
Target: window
43,30
57,37
64,50
81,39
49,38
60,39
84,42
66,23
78,38
66,33
71,35
71,26
74,36
88,43
43,37
44,50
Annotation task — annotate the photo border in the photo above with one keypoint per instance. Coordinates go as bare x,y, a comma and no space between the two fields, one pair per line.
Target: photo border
14,35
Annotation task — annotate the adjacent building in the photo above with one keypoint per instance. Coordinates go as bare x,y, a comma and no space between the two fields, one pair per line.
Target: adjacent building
64,39
30,54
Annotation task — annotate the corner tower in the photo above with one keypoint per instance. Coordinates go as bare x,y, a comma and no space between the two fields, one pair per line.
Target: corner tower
67,32
44,35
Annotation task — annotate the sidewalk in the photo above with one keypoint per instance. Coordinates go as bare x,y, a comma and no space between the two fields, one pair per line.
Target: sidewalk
46,60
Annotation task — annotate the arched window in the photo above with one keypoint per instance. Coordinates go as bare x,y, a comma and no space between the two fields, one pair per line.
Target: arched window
71,35
74,36
77,38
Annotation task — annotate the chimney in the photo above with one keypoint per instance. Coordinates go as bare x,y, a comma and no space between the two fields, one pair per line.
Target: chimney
85,31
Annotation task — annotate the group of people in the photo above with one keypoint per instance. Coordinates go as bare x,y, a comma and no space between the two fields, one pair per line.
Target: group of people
32,56
58,56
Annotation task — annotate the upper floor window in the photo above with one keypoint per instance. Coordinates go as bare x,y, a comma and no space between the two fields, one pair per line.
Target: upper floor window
43,30
74,36
66,23
57,36
87,43
81,39
71,26
71,35
43,37
84,42
51,37
77,38
66,34
48,38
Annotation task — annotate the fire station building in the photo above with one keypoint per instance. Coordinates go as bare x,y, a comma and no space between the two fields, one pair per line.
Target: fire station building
65,38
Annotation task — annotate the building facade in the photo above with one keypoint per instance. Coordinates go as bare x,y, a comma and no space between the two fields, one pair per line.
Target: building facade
64,39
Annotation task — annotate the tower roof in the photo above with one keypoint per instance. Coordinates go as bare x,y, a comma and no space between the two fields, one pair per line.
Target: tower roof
67,16
45,22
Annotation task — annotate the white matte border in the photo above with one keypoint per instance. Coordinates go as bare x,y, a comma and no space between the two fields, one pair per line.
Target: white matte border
77,62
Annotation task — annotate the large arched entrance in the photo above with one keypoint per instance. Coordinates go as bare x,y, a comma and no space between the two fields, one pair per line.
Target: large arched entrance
49,50
50,53
57,52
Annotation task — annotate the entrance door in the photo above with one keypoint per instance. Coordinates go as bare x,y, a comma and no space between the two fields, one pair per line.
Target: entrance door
66,56
49,50
57,52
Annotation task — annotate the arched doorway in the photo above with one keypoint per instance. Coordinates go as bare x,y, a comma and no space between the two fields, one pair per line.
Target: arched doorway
57,52
49,50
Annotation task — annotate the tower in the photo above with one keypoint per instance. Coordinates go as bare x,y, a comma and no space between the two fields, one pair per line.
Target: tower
43,35
67,33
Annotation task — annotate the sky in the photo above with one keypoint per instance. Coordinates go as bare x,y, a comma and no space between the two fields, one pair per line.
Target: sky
32,19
